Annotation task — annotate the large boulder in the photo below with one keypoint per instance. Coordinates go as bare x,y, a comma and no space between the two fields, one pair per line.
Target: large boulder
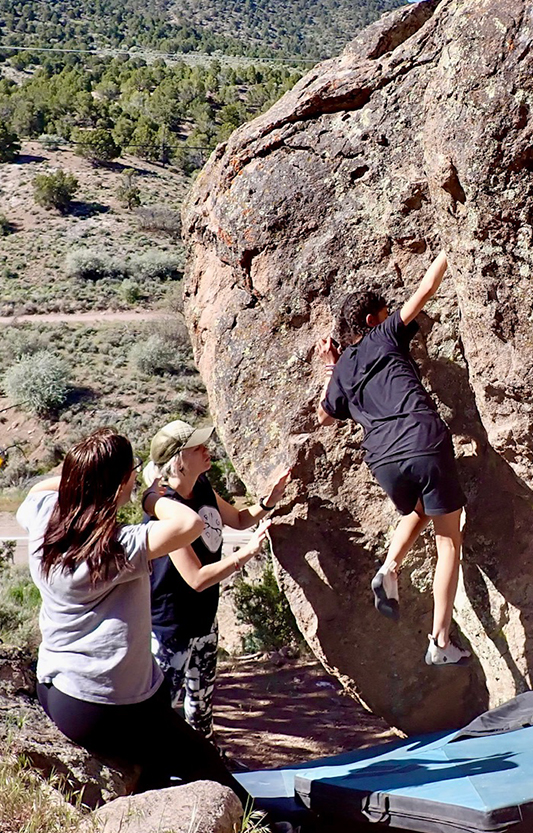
419,136
202,806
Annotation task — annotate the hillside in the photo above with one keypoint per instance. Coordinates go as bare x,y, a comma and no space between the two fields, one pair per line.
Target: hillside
106,251
307,28
34,257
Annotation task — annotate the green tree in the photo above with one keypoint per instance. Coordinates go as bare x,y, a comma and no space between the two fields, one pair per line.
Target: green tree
123,130
266,608
145,142
27,120
98,146
9,143
55,190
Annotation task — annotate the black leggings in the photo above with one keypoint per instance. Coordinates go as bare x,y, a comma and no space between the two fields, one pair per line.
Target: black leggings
149,733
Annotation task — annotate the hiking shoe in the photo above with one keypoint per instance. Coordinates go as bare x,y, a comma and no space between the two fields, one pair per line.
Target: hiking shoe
450,655
385,589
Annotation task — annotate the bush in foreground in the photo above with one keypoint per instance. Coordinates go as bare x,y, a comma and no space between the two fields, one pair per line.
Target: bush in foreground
90,265
159,218
155,265
129,291
38,383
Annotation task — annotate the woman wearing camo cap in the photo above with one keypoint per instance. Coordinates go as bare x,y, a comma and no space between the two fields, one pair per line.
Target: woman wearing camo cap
185,585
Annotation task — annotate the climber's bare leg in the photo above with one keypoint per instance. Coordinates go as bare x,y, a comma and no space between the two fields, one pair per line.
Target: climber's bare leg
405,535
448,538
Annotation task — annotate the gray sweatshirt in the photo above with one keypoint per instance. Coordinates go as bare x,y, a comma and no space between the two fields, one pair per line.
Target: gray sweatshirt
95,639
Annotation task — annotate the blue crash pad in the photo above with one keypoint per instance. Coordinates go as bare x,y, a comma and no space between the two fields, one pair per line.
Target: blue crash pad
427,783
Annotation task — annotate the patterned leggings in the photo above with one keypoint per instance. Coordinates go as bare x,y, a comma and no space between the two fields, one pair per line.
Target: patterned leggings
190,668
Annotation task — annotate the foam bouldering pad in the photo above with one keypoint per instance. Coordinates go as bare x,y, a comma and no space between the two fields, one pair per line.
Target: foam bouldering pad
431,784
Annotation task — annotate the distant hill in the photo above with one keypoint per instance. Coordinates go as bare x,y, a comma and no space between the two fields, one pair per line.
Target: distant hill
310,28
307,28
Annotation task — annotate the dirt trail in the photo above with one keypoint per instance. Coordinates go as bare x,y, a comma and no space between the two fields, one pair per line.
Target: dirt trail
97,317
269,714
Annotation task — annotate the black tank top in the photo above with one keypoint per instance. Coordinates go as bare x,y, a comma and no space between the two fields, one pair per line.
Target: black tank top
178,611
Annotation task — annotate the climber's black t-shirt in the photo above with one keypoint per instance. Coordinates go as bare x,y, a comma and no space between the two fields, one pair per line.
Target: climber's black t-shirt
377,384
178,611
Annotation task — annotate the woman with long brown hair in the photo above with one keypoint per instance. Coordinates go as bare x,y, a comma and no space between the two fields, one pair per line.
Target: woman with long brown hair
97,679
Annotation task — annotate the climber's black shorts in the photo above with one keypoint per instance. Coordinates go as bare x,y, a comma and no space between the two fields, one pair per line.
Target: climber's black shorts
430,478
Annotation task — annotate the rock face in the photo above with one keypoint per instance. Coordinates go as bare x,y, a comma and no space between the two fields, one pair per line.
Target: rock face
419,136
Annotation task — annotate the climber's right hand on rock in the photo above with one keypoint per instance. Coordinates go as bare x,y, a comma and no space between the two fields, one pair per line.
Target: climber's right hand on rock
327,350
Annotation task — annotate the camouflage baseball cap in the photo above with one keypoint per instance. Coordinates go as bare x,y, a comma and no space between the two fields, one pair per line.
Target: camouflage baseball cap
174,437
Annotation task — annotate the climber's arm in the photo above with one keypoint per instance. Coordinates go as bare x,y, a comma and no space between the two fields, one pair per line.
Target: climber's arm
426,289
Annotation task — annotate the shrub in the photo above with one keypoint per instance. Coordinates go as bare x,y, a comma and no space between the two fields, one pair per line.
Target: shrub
160,218
173,329
129,291
217,478
51,141
154,357
6,227
98,146
39,383
128,192
55,190
264,606
174,298
7,555
9,143
23,342
155,265
89,265
187,406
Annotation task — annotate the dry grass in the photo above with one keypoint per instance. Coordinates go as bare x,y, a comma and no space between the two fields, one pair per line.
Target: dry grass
11,500
30,805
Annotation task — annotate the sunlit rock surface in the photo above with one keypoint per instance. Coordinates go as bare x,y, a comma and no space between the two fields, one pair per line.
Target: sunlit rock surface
419,136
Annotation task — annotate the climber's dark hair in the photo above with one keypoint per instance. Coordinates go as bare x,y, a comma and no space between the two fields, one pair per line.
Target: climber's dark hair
352,317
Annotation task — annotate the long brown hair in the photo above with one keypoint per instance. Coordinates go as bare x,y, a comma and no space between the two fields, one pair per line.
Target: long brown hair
83,525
